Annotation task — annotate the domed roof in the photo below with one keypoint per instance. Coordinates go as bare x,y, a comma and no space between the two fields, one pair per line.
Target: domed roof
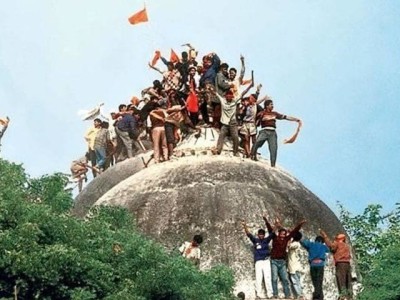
198,193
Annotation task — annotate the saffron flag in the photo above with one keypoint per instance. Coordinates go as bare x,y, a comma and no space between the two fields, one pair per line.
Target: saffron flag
156,57
139,17
293,138
174,57
192,103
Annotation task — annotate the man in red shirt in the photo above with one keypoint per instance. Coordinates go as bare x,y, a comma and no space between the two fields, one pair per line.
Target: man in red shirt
268,119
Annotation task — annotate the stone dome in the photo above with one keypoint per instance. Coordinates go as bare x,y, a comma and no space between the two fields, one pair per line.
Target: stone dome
198,193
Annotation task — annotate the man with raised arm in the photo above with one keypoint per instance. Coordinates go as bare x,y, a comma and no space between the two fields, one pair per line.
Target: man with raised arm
262,263
342,256
229,120
278,257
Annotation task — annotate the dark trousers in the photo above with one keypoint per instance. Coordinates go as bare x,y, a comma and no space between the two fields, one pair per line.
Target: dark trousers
343,278
92,159
272,139
232,129
204,112
317,277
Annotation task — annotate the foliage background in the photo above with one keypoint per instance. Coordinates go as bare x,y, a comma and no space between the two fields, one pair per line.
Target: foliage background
48,254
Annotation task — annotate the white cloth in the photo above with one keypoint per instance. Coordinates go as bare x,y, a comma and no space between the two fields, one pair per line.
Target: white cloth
263,271
294,264
190,252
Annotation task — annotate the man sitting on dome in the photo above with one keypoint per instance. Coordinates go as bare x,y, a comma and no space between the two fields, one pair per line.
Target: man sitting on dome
191,250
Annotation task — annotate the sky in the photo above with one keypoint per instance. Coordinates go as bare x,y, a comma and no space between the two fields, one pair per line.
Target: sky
335,64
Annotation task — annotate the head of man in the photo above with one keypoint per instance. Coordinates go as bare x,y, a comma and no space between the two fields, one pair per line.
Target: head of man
130,108
197,240
97,123
232,73
157,84
341,238
192,71
223,68
122,108
269,105
319,239
253,98
170,66
282,233
229,96
185,56
207,61
298,236
105,124
200,69
261,234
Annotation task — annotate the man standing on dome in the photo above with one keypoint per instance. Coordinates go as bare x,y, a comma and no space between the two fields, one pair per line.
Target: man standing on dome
279,255
268,119
229,120
342,256
261,259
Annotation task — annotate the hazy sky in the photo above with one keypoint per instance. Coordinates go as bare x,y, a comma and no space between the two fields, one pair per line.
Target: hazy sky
334,64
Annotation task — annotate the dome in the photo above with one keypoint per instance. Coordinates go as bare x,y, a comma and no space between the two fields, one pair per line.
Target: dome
198,193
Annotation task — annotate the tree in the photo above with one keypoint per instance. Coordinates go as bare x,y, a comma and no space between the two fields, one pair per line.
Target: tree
376,239
48,254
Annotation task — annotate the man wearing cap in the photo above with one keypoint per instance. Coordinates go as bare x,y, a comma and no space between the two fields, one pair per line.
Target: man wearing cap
342,256
268,119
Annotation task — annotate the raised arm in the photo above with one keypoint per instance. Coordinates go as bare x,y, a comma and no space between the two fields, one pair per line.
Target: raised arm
297,228
268,224
327,241
242,70
247,89
245,228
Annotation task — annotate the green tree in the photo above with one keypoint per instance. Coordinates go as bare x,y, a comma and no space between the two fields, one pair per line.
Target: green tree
375,238
48,254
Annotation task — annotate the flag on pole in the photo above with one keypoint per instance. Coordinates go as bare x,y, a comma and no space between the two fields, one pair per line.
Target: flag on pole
174,57
156,57
139,17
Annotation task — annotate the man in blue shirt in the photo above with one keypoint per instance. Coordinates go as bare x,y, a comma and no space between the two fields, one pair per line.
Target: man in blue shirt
316,256
261,260
126,130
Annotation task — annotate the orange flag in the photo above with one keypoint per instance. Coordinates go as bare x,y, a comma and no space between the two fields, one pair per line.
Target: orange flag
174,57
156,57
139,17
293,138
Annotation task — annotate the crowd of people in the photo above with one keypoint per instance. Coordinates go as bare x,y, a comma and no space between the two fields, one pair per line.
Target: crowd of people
187,96
276,257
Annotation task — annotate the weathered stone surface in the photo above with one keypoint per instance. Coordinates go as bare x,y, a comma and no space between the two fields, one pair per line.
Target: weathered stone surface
106,181
201,194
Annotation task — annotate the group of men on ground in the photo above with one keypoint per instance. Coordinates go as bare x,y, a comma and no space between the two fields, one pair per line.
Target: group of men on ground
189,95
282,260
